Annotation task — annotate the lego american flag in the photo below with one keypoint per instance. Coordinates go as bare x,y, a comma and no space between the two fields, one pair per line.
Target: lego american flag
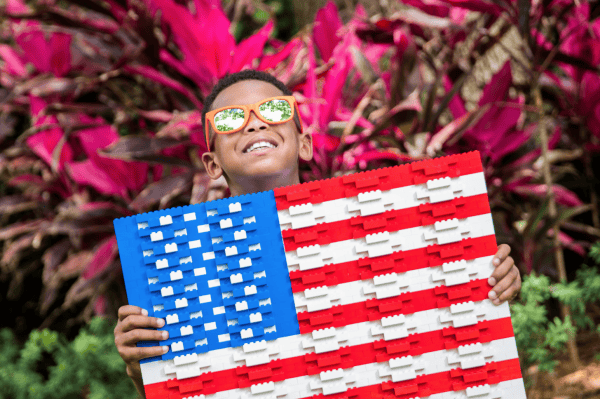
367,285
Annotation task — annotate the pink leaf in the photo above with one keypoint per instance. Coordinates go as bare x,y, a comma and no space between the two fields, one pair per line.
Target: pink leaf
35,49
60,53
325,141
88,173
530,157
589,102
456,104
104,255
431,7
512,185
310,90
104,205
477,5
219,45
204,40
562,195
16,7
333,85
130,175
510,143
44,142
251,48
327,23
493,128
204,6
568,242
156,76
117,10
379,155
100,305
566,197
28,178
444,134
200,75
497,88
93,139
12,61
271,61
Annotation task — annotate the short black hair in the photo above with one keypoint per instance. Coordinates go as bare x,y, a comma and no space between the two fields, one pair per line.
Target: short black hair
247,74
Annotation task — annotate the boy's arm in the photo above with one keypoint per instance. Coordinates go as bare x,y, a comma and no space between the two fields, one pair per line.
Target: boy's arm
506,278
132,328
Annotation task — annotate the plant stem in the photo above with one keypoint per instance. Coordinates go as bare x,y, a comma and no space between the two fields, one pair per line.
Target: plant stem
558,251
593,195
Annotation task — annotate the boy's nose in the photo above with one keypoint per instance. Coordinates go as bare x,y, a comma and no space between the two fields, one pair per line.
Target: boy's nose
254,123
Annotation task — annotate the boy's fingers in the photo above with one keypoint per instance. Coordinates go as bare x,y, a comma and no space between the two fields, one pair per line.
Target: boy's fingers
129,310
136,354
501,271
511,292
137,322
503,252
499,292
133,337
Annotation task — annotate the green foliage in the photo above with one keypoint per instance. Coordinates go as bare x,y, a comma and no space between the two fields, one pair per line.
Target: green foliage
47,366
539,340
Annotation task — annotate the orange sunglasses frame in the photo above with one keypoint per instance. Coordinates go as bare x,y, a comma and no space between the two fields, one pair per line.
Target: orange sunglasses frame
247,109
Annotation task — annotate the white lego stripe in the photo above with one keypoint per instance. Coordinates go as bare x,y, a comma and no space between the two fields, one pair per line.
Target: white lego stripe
377,373
311,257
350,335
397,198
411,281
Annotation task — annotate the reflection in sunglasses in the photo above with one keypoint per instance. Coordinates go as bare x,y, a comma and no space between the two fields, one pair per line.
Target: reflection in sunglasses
229,119
233,118
276,110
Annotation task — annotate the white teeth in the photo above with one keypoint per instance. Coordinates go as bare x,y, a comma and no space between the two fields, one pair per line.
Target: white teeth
259,146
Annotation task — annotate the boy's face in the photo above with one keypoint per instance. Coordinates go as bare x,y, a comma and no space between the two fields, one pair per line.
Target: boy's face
230,155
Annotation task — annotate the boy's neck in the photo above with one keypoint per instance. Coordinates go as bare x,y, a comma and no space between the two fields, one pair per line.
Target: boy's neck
250,185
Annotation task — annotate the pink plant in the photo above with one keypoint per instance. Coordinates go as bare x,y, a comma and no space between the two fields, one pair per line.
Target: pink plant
108,106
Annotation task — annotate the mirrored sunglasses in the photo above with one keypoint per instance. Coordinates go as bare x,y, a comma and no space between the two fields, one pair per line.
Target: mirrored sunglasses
231,119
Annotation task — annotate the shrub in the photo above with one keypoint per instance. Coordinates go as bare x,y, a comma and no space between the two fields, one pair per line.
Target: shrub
48,366
539,340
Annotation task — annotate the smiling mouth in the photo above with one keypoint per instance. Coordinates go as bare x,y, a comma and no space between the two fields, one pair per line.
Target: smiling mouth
261,145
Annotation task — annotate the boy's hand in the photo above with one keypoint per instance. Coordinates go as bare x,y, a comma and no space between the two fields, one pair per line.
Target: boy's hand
131,329
505,279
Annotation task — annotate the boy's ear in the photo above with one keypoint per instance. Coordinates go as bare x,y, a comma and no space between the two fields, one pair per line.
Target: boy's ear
305,150
212,165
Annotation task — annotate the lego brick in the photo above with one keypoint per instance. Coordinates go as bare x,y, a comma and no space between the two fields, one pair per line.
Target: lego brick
397,262
365,285
406,375
199,288
393,220
383,179
420,336
391,200
379,244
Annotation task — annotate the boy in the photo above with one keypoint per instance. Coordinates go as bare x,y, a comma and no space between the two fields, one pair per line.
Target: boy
256,156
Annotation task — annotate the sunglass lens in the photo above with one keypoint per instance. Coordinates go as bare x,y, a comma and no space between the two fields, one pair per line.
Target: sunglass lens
276,110
229,119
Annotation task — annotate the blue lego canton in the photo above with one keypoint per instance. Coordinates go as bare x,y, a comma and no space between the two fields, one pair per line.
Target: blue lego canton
216,272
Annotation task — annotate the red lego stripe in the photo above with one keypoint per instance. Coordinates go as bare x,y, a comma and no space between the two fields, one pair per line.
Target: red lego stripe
346,357
397,262
393,220
447,381
380,179
429,384
376,309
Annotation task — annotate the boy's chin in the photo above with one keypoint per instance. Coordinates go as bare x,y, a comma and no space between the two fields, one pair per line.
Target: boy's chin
267,170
